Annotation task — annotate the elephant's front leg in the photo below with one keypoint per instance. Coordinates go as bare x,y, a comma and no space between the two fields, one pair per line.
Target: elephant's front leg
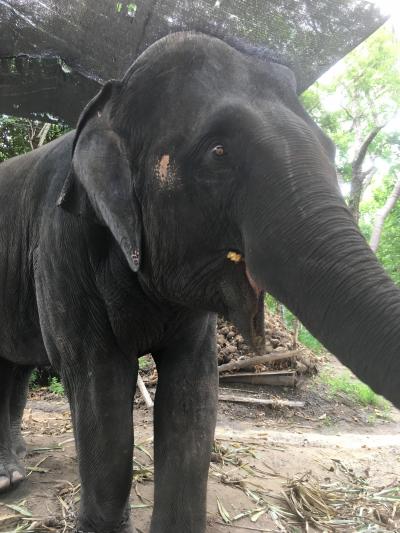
184,424
101,398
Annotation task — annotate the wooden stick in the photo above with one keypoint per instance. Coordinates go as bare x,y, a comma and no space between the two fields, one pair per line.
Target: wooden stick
248,527
279,378
144,392
260,401
257,360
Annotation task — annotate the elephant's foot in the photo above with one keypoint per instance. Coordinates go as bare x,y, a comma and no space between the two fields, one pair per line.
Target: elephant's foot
18,445
12,472
125,526
126,529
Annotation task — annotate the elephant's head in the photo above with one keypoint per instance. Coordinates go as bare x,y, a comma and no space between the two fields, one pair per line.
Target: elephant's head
217,185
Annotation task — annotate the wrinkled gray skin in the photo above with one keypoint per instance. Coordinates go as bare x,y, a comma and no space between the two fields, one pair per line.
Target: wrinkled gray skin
114,243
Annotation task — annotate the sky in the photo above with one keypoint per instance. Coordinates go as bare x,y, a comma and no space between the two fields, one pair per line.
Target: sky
392,8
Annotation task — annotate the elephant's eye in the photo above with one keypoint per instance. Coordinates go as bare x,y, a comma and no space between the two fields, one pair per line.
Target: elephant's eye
218,150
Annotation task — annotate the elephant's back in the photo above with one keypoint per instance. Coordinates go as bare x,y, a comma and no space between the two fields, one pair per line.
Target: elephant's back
26,182
25,179
25,185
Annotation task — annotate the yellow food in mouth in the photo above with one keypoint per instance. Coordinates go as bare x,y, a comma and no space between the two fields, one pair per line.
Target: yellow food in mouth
235,257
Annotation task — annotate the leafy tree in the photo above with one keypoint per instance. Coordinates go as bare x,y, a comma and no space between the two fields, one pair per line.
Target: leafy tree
389,245
355,109
20,135
383,213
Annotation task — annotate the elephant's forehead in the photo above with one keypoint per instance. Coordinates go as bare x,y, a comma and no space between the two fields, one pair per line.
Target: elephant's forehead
179,57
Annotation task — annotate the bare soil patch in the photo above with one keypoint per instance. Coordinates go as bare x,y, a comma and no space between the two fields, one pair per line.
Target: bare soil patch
331,444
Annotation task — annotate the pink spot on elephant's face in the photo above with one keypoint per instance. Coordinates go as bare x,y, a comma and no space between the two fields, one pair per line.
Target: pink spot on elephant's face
165,172
163,168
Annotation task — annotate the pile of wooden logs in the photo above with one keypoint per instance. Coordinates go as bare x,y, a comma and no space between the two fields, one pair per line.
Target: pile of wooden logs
283,361
230,343
280,365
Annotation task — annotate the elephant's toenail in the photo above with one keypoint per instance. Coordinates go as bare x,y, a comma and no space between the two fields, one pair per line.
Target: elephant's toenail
16,476
4,483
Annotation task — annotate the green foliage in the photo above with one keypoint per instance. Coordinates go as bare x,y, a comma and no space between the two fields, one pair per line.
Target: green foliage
145,362
20,135
33,380
130,8
271,303
353,388
56,386
389,247
304,336
40,378
364,94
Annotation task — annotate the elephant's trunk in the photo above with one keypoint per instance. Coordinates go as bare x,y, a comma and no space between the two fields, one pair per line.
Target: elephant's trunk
315,260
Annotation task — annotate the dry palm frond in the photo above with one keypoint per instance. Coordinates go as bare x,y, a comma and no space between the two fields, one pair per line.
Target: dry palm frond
233,454
142,473
345,505
18,518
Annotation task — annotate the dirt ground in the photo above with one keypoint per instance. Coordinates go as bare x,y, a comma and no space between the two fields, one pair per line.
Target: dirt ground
314,454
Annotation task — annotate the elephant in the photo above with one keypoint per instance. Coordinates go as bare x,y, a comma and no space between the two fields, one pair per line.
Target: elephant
189,188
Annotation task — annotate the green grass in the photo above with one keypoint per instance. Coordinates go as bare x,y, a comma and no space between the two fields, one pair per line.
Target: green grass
327,421
310,342
270,303
305,336
56,386
353,388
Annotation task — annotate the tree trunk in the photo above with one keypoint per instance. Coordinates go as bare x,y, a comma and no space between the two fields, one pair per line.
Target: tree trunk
356,192
360,178
296,329
382,214
43,134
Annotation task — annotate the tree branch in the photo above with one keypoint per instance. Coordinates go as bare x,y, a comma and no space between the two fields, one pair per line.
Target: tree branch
368,174
43,133
383,213
359,159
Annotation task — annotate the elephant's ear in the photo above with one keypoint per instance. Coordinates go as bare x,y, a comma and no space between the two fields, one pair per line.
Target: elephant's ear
100,183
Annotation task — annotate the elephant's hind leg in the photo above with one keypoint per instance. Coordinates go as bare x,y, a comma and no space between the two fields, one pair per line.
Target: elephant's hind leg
18,399
12,472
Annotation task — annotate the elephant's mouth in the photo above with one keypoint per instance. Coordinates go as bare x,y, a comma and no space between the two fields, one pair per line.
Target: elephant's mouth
245,301
238,257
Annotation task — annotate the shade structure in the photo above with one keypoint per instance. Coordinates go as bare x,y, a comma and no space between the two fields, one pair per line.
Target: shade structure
55,54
